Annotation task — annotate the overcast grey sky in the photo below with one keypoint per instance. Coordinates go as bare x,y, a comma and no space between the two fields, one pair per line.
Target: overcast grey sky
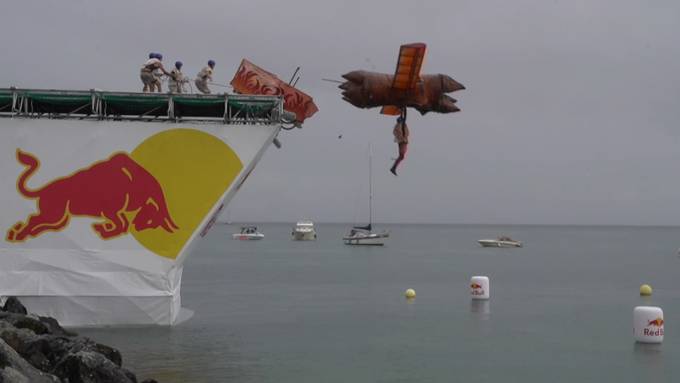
571,113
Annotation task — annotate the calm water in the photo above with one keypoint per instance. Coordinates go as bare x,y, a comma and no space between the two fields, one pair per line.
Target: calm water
284,311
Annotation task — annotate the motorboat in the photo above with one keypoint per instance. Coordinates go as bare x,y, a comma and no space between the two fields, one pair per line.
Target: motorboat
364,235
248,233
500,242
304,231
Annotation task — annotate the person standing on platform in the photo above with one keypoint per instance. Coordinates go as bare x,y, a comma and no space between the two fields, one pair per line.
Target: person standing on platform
205,76
177,79
149,79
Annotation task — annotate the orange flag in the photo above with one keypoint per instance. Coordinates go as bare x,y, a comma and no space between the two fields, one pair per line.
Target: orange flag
251,79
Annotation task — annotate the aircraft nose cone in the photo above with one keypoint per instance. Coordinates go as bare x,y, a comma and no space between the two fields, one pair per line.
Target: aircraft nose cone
450,85
447,105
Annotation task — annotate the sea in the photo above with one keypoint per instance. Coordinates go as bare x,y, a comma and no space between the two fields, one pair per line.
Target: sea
276,310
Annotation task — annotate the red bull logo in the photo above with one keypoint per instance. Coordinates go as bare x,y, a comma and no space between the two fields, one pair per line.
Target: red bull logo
477,289
658,331
658,322
118,191
157,192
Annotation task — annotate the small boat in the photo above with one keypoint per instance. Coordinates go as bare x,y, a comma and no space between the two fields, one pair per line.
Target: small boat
364,235
304,231
248,233
500,242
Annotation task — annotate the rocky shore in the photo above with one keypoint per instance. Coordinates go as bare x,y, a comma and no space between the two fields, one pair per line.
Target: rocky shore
35,349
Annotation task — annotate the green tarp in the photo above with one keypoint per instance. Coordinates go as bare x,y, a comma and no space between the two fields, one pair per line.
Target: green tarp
137,104
198,107
5,101
60,103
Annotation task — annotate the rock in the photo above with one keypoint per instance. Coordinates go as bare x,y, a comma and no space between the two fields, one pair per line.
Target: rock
23,322
91,367
110,353
30,323
4,361
12,305
39,345
37,324
54,327
14,369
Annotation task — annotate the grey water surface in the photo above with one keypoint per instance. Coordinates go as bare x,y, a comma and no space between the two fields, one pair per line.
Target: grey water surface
282,311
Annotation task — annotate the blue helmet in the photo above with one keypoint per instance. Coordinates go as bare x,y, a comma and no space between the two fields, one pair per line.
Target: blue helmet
159,56
178,64
152,55
211,63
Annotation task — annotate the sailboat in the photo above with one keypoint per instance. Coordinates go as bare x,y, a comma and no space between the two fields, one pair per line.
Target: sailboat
364,235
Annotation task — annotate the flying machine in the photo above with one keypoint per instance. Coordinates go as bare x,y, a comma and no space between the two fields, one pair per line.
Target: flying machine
406,88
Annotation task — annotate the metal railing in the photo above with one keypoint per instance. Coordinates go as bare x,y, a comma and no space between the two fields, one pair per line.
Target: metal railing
102,105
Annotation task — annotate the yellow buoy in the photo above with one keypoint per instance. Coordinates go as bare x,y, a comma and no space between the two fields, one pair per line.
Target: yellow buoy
645,290
410,293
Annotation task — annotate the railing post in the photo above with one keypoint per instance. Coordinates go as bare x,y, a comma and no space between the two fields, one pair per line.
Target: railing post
14,100
227,112
171,108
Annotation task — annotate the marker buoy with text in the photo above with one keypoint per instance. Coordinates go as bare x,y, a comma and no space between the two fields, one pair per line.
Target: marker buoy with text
648,324
479,287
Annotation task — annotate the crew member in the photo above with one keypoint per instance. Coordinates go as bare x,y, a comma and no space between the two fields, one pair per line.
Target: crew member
205,76
177,79
149,79
401,134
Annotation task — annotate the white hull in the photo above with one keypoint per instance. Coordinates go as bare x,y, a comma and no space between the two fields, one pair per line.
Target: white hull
372,239
248,237
304,235
497,243
83,279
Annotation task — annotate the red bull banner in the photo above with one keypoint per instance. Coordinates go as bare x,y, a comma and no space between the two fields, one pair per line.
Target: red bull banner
104,213
251,79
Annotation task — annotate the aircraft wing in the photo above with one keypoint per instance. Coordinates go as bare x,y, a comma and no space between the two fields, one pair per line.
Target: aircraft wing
411,57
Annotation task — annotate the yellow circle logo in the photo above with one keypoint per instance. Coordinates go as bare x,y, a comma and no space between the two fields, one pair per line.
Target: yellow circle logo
194,170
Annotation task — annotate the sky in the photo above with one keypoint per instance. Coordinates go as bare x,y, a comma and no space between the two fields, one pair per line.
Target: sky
571,113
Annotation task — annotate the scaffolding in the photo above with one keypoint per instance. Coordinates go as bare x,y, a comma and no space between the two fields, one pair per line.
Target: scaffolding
126,106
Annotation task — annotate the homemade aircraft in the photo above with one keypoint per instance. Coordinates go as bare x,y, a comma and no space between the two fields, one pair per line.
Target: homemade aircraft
406,88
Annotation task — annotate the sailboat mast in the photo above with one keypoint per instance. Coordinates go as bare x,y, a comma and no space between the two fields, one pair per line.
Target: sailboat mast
370,187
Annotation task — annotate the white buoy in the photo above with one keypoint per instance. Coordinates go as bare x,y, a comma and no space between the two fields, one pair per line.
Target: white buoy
479,287
648,324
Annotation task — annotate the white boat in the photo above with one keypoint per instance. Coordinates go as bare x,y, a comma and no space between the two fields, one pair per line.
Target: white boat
364,235
500,242
106,194
304,231
248,233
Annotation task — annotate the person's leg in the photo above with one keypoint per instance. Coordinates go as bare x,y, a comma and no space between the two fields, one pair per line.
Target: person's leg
403,147
146,80
202,86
